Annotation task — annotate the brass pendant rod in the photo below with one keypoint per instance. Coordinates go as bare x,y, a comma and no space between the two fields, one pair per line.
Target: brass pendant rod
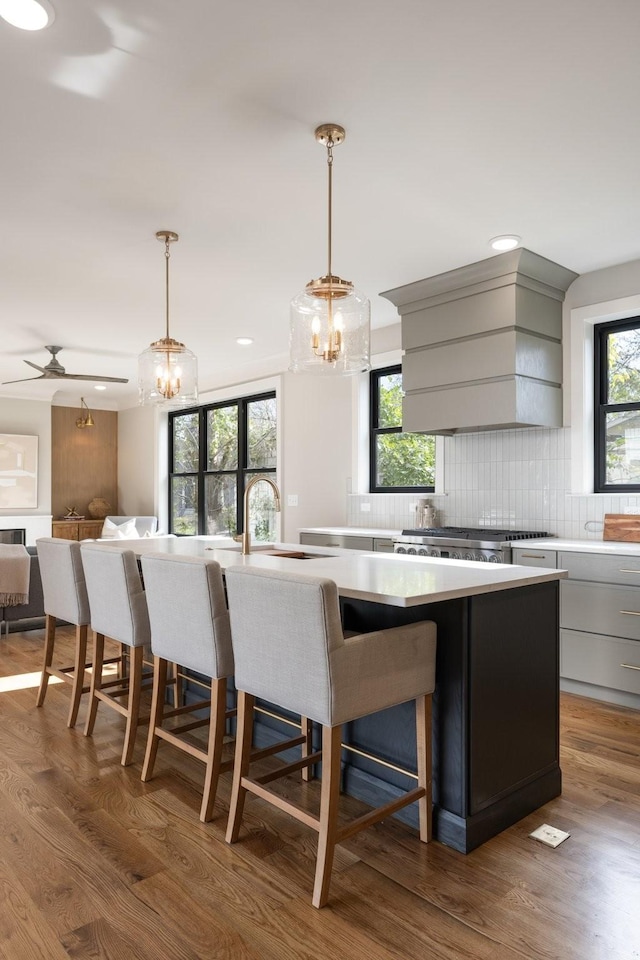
167,255
330,199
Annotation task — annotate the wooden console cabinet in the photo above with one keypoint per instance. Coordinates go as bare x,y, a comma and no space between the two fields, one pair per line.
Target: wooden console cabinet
77,529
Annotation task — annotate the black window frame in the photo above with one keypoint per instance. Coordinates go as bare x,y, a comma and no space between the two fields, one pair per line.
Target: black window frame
242,472
376,431
602,331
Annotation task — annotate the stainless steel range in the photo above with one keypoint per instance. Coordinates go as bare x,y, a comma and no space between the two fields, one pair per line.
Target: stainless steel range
462,543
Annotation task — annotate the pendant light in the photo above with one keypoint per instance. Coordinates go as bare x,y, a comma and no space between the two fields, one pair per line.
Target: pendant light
167,370
329,332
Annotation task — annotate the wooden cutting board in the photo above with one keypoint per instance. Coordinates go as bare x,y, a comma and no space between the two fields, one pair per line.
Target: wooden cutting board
621,526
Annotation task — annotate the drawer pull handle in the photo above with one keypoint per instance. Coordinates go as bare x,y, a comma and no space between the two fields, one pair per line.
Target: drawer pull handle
631,613
629,666
534,556
624,570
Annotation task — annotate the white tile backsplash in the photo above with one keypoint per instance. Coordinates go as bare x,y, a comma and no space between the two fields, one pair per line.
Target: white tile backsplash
519,479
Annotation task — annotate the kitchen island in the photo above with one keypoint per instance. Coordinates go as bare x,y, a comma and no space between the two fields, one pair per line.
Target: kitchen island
496,705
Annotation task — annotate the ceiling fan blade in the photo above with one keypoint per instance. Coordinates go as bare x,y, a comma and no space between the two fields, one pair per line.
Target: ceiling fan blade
35,367
86,376
24,380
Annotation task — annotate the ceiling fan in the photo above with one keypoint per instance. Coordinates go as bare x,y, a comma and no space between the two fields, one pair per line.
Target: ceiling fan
55,371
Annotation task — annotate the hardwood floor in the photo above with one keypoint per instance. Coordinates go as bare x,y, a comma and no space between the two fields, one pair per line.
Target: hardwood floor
95,863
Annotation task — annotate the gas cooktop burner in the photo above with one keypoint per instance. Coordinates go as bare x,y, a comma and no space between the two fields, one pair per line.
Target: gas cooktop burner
485,534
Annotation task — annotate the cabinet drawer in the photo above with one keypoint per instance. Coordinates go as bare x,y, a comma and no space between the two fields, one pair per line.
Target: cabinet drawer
590,566
381,545
604,661
533,557
337,540
600,608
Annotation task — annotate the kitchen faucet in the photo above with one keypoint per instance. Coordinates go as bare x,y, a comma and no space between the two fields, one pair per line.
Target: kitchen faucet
245,537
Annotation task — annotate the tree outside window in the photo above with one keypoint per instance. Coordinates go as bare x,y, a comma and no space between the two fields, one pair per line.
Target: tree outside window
399,461
214,451
617,406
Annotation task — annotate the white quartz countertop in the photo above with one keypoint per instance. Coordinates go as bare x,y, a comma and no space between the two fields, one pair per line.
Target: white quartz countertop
620,547
397,580
353,531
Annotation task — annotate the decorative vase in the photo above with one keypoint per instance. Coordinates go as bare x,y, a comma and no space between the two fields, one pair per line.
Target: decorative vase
98,508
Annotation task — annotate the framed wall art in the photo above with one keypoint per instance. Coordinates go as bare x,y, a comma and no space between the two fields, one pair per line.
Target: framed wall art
18,472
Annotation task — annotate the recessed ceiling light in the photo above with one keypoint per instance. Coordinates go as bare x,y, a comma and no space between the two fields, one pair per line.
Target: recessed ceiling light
507,241
27,14
99,386
244,341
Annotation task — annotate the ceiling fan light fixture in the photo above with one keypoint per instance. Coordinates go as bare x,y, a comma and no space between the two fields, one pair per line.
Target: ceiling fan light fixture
27,14
330,320
167,370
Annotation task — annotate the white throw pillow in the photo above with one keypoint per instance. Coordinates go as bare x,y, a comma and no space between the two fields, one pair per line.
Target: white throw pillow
122,531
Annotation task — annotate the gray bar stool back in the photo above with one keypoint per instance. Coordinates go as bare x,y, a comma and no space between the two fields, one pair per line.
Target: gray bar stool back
190,624
65,598
290,649
118,611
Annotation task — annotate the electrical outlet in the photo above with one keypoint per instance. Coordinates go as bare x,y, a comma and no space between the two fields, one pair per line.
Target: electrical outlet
632,510
549,835
292,500
365,507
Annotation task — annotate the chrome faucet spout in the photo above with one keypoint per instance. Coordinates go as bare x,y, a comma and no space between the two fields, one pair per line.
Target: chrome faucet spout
245,536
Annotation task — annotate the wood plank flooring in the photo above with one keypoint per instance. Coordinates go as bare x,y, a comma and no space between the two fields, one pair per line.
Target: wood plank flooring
96,864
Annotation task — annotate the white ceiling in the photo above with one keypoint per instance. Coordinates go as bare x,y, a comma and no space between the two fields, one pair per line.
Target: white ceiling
464,120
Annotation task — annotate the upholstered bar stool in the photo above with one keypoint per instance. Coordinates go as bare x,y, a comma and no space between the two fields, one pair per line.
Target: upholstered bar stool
190,622
290,649
118,611
65,598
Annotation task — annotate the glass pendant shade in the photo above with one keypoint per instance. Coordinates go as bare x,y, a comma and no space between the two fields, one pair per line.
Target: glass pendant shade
329,332
168,374
167,370
329,320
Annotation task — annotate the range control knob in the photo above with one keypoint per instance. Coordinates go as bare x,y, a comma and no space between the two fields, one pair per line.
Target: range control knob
411,550
434,553
455,555
422,552
494,559
401,550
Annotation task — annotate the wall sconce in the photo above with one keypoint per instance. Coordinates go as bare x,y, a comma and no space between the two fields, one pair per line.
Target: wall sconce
85,419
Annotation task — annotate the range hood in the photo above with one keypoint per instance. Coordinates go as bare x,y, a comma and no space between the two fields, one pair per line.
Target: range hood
482,345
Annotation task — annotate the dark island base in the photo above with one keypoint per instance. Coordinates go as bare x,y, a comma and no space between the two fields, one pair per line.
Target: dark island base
495,722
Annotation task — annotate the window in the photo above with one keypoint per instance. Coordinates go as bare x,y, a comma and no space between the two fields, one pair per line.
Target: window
399,462
617,406
213,452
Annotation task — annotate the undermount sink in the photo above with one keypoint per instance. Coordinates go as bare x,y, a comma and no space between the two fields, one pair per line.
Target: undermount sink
275,552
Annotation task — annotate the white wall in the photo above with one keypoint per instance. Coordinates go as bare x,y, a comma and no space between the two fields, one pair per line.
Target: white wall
137,462
316,432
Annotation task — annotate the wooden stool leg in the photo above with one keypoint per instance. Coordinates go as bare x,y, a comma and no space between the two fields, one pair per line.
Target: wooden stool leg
307,747
423,739
77,687
49,641
214,749
244,737
177,685
160,668
133,705
329,799
96,683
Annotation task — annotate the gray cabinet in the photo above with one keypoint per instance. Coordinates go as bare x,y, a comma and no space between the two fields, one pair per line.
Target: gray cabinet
337,540
600,625
599,621
535,557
